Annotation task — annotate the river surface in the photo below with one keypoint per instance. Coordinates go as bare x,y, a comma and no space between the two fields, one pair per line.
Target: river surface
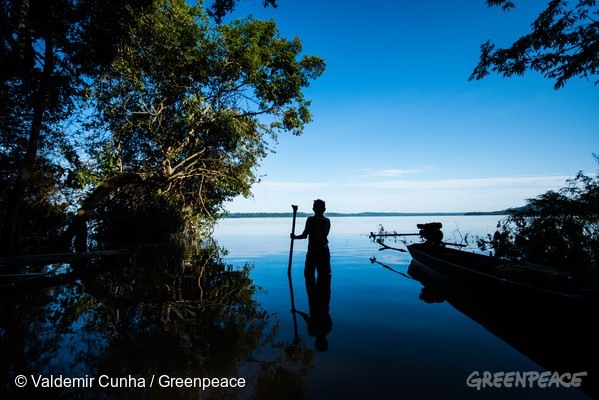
154,324
384,339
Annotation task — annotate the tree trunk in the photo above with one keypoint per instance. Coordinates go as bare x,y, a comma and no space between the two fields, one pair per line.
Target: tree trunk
78,227
17,194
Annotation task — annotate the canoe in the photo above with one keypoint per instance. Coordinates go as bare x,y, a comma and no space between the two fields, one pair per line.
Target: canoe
516,284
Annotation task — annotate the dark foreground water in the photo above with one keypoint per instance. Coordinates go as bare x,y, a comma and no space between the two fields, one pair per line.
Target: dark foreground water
168,322
385,340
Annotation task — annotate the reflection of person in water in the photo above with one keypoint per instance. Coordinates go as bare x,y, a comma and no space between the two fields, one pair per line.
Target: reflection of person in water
317,273
319,319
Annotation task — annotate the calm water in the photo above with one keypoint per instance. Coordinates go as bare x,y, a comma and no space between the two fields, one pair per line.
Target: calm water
385,341
184,311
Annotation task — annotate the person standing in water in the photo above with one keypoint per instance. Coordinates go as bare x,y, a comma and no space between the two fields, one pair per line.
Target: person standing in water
317,273
318,258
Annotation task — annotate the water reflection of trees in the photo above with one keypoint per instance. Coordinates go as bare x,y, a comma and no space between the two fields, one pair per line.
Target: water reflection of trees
176,310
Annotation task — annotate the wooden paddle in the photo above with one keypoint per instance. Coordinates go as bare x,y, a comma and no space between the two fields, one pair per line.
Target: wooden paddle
292,233
296,335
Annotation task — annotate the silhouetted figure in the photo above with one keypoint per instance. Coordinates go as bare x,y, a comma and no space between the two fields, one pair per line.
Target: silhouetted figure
317,273
317,230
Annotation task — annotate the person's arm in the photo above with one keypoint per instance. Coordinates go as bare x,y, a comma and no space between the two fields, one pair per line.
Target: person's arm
304,234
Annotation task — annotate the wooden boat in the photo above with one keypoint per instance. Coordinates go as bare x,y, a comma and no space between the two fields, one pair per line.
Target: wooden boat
513,283
547,313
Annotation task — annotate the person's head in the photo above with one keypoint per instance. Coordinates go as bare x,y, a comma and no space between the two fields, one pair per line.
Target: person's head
319,206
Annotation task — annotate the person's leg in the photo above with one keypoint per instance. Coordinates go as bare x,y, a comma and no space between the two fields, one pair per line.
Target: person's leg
323,281
310,279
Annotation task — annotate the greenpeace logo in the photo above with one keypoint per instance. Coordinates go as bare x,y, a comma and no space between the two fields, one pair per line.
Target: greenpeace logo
524,379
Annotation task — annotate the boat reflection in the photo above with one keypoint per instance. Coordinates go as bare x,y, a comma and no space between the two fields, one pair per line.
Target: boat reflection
564,347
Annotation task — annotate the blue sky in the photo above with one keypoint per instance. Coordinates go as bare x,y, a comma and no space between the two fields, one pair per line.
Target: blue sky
397,126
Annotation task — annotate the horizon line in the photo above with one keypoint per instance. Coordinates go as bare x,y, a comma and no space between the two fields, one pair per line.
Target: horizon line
364,213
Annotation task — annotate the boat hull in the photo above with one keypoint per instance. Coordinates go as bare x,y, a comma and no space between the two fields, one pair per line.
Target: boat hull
525,287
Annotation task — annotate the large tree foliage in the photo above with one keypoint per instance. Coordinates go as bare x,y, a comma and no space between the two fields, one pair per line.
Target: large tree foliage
47,50
164,106
557,228
185,112
563,44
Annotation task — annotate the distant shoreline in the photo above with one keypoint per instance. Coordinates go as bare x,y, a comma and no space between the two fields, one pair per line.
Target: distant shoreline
365,214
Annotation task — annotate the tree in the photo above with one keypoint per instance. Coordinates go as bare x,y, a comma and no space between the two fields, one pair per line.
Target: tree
185,112
559,228
563,44
53,56
220,8
47,49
